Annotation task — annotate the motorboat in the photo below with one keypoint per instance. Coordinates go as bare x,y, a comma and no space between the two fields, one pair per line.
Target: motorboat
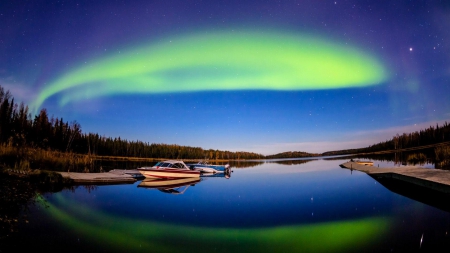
226,174
206,167
172,186
169,169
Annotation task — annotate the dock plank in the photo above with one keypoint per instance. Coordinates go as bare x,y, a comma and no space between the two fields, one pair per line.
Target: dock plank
112,177
435,179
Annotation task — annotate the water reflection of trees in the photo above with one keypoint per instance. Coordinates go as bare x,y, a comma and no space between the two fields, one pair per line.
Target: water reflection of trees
442,157
89,187
249,164
245,164
17,195
292,162
15,198
412,158
340,157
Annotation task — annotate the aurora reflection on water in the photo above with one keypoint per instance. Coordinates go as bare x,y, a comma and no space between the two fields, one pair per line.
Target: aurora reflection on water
314,206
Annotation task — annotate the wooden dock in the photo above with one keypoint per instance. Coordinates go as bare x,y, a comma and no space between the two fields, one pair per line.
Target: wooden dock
111,177
433,179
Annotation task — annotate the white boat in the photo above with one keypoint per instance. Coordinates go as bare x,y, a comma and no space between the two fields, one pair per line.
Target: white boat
206,167
367,163
169,169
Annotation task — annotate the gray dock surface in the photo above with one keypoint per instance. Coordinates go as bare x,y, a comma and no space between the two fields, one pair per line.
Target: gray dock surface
434,179
111,177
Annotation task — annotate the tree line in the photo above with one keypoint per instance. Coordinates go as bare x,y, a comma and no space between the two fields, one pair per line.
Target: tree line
429,136
19,129
291,154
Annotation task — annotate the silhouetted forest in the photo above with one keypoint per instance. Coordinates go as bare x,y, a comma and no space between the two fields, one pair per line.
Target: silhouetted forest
19,129
291,154
429,136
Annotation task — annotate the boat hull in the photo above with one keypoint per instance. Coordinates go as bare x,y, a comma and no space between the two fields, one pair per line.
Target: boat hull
367,163
209,168
168,183
168,173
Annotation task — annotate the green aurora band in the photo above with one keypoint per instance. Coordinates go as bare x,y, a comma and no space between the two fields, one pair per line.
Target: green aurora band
220,61
120,234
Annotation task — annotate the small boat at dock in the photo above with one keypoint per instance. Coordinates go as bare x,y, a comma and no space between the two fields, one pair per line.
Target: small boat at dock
169,169
367,163
206,167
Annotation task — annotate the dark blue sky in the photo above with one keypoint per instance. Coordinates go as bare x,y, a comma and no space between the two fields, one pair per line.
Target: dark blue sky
261,76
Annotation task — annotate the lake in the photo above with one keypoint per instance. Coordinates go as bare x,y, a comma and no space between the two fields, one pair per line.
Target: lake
288,206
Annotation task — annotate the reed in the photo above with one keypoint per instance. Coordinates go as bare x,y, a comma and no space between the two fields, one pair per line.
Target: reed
25,160
442,157
416,158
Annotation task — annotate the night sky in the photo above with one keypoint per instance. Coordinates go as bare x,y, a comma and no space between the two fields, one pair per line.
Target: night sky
258,76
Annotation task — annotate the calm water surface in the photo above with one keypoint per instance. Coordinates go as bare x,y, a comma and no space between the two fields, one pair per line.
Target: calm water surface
315,206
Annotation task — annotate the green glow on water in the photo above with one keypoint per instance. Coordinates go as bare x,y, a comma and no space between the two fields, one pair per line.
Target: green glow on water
220,61
114,233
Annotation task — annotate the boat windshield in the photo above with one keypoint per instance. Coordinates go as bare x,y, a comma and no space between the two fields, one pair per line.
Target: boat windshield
177,165
168,165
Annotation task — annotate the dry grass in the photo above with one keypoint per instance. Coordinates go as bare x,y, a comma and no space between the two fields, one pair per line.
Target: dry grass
417,158
24,160
27,159
144,159
442,157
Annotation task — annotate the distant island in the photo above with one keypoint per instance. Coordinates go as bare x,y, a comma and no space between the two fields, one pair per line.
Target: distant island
48,143
291,154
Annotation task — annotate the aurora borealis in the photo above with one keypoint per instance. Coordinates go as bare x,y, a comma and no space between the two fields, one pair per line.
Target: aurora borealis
232,75
224,61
